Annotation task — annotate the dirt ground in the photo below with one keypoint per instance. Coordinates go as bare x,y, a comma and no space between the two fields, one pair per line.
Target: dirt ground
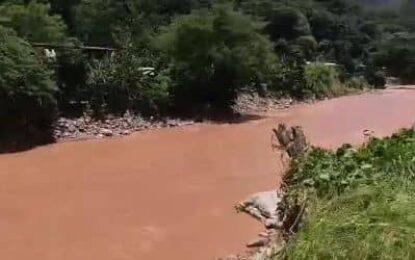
169,193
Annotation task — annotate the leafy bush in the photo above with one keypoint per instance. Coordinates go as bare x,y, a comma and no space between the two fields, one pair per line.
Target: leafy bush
290,78
359,201
332,173
123,81
321,80
27,99
213,54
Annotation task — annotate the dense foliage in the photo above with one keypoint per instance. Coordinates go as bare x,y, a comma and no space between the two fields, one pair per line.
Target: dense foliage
33,22
359,201
215,53
321,80
154,56
26,92
122,82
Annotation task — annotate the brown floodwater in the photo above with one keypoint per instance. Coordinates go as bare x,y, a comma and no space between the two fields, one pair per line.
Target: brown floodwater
166,194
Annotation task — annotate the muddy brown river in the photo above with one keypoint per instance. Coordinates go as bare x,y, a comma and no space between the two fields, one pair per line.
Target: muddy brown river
166,194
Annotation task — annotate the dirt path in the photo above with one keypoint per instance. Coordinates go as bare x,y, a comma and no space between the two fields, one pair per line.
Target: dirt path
165,194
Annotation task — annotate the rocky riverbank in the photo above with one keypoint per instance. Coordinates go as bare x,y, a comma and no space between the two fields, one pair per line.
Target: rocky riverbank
252,103
87,127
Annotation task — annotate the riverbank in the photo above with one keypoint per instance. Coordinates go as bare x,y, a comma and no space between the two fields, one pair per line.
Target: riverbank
356,200
88,127
248,104
306,204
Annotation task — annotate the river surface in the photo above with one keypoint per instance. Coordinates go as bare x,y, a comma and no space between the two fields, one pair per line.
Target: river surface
169,193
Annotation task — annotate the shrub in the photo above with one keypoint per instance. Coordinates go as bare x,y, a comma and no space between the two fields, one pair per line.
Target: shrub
214,53
290,78
320,80
125,81
27,99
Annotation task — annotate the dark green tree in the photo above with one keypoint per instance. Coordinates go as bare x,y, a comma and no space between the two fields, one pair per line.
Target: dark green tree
27,102
33,22
213,54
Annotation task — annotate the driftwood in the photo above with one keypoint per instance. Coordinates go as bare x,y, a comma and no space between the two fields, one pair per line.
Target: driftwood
291,140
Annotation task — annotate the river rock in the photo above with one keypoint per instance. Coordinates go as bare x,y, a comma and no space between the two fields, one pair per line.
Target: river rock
261,205
126,132
71,128
86,127
106,132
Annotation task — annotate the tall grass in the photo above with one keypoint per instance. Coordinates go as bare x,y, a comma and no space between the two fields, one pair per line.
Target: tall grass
360,202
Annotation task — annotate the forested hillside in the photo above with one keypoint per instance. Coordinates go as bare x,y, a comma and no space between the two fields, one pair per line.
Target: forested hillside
187,56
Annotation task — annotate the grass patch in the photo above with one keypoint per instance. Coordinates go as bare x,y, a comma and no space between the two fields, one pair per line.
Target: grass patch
359,202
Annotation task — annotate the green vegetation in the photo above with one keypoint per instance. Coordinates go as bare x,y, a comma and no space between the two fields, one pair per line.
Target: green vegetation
359,202
33,21
213,54
322,80
181,56
119,83
27,99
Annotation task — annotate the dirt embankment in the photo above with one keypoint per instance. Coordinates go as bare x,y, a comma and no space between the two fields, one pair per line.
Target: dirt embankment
168,193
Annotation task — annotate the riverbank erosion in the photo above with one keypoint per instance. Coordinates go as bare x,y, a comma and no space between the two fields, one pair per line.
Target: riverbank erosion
168,193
